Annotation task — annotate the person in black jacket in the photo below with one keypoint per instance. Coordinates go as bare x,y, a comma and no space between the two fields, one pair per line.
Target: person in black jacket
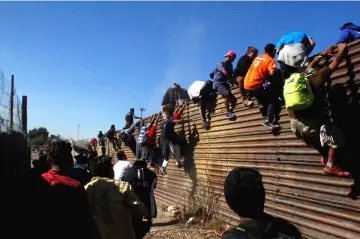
245,195
240,71
129,118
171,100
143,181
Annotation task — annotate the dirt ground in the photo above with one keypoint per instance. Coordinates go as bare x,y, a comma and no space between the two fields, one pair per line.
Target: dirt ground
167,228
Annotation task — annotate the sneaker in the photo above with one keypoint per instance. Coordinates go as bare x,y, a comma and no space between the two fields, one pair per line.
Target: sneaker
179,165
230,115
248,103
162,170
270,125
337,171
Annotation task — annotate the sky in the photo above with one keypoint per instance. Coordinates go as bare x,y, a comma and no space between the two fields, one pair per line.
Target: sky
88,63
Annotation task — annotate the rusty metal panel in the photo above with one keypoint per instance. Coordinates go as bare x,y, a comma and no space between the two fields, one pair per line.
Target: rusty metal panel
296,187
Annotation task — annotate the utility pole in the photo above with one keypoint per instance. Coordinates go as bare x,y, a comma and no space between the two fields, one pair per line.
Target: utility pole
77,139
142,109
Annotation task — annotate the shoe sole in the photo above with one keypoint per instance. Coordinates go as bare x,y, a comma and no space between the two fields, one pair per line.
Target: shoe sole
268,126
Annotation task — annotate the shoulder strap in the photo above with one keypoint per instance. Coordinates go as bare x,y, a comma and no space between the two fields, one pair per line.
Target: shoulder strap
280,228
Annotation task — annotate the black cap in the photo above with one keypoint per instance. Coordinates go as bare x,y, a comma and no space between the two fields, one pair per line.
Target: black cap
245,193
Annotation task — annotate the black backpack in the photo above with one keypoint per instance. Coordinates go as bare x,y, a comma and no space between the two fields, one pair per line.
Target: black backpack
273,228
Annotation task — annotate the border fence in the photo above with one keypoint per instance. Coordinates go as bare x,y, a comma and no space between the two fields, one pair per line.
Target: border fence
321,206
13,129
12,109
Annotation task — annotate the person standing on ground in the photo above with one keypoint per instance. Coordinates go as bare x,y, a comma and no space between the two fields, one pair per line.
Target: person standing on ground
222,76
240,71
122,166
68,197
113,203
129,118
258,83
80,170
245,195
143,181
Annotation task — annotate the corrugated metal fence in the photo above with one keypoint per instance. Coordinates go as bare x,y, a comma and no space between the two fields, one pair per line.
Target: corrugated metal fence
296,187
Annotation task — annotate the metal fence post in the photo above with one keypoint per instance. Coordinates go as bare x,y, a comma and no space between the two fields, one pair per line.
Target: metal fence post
12,93
24,114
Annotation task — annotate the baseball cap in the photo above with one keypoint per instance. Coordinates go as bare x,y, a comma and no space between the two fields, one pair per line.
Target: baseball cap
230,54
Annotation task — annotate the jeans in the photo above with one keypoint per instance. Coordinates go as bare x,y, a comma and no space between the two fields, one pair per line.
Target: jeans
269,100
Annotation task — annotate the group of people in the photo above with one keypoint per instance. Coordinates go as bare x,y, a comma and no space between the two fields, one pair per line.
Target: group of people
98,197
299,84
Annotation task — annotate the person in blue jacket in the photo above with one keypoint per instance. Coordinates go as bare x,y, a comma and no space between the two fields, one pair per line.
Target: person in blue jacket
293,50
349,32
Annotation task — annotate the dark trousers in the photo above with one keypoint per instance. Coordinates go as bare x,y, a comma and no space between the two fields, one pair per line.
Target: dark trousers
269,100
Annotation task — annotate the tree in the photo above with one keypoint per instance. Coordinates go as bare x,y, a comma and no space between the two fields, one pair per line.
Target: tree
55,137
38,136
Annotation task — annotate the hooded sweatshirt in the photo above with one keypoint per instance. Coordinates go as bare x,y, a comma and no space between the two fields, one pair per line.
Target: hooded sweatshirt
349,32
114,204
144,182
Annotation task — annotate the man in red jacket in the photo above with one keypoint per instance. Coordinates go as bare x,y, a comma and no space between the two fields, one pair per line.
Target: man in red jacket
67,196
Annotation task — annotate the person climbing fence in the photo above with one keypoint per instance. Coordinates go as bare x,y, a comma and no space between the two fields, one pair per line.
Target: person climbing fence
222,75
147,141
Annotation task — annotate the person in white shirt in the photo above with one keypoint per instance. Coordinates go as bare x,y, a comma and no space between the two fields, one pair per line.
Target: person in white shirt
122,166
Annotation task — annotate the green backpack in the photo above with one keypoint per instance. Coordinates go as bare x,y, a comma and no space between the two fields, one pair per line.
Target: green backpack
297,92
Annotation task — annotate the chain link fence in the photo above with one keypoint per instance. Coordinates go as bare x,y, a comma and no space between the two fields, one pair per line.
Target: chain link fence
8,123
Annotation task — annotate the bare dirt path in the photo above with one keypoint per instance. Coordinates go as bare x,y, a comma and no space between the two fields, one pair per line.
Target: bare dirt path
168,228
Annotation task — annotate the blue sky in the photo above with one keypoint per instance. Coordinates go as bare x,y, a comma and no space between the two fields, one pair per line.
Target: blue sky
87,63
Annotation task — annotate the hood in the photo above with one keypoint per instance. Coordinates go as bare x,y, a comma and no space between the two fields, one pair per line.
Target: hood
140,164
350,26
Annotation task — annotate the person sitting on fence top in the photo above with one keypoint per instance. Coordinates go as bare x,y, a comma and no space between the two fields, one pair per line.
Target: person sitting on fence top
245,195
171,100
348,32
129,118
293,50
240,71
68,197
314,121
222,75
258,84
113,203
